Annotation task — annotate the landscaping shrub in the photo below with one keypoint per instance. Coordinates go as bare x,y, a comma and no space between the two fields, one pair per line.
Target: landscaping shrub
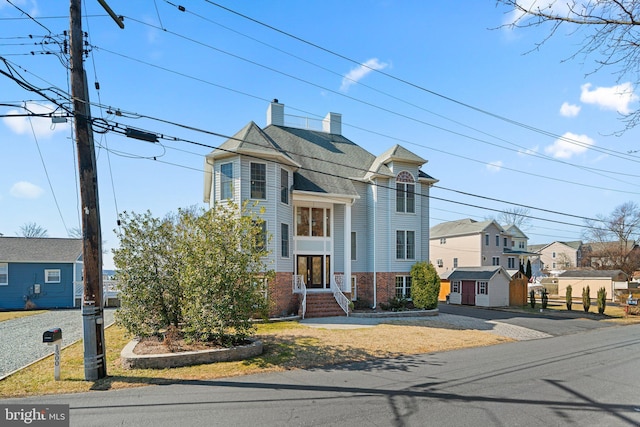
532,298
545,298
425,285
586,298
602,300
568,297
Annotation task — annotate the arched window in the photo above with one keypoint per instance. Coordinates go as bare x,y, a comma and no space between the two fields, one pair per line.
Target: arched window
405,192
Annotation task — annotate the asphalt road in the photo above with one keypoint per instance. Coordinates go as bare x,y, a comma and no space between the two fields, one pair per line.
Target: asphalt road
550,324
586,378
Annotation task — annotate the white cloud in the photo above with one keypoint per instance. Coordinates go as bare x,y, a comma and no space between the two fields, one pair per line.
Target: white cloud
42,126
529,151
494,167
25,190
358,73
568,145
616,98
569,110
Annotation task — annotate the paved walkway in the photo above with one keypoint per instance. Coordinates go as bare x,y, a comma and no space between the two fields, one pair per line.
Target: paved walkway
498,328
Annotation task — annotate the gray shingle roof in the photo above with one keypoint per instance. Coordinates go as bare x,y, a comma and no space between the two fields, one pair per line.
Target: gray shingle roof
475,273
459,228
32,249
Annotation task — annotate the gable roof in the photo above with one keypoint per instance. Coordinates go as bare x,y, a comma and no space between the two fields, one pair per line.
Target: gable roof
460,227
477,273
574,244
35,249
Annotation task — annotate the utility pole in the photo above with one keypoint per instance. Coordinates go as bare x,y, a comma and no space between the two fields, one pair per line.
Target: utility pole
95,366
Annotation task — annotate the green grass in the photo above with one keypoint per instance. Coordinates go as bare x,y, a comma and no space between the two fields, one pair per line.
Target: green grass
8,315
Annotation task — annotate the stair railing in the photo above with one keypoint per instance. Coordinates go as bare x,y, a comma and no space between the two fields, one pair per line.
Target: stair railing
337,285
300,288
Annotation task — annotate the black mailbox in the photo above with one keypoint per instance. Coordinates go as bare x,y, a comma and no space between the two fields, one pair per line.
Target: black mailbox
52,335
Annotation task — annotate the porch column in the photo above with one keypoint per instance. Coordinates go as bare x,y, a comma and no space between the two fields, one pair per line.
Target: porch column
347,246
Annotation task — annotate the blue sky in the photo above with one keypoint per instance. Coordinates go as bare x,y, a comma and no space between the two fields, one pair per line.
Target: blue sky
499,126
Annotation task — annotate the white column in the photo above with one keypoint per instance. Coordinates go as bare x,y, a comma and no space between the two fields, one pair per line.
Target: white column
347,246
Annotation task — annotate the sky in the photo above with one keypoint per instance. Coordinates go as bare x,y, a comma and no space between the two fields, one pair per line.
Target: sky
501,123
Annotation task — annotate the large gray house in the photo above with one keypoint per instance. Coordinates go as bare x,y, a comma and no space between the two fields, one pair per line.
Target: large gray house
333,209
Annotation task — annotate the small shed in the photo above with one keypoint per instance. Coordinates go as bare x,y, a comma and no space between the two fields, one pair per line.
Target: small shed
486,286
39,272
610,280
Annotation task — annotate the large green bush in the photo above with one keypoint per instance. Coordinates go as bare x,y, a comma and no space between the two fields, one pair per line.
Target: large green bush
201,272
425,285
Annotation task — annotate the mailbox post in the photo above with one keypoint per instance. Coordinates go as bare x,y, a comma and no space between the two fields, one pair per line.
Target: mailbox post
54,337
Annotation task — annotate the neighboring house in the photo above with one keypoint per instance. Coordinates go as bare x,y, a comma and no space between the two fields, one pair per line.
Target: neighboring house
333,209
611,254
557,256
39,271
613,281
481,286
471,243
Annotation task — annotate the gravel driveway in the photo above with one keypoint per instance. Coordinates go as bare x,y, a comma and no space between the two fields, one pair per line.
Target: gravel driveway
21,339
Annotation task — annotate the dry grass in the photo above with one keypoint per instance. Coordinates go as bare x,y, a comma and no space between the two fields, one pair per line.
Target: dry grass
8,315
287,345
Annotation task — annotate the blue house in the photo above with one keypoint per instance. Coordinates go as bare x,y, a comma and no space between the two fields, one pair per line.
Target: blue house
39,272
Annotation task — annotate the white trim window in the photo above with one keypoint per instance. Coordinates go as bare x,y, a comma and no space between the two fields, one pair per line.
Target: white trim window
258,181
403,287
284,240
284,186
455,286
226,181
483,288
405,193
4,273
52,275
405,244
495,260
455,263
354,246
511,262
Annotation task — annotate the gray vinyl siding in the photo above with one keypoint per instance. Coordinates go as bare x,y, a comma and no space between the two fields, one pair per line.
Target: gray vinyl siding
270,204
338,238
379,226
284,215
424,217
360,225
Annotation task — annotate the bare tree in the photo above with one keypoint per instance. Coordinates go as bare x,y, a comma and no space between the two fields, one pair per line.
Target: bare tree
31,229
518,216
609,30
613,239
75,232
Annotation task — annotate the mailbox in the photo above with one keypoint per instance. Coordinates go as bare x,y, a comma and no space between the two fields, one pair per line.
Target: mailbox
52,335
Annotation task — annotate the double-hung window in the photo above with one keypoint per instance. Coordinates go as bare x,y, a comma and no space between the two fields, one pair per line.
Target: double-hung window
483,288
284,240
226,181
258,181
405,244
403,287
284,186
52,276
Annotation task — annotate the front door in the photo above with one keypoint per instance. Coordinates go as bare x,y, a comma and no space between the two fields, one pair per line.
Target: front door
468,292
312,268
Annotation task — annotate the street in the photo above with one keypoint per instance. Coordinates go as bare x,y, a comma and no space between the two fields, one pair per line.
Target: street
585,378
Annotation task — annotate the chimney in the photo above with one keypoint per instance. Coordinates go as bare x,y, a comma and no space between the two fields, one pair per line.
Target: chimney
332,123
275,113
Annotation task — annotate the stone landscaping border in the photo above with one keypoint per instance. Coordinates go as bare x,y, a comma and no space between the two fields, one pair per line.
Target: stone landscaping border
130,360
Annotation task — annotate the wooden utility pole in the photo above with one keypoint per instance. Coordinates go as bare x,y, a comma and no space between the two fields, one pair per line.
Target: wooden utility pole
92,305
